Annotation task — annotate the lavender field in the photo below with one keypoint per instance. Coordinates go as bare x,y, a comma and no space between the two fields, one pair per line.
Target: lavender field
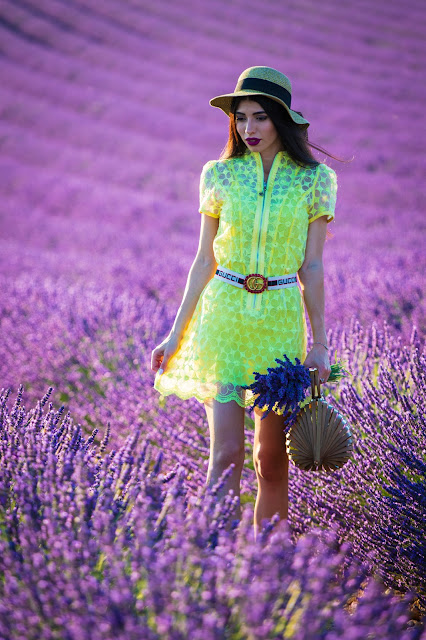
106,528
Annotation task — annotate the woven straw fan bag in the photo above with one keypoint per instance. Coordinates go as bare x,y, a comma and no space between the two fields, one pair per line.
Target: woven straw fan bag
321,438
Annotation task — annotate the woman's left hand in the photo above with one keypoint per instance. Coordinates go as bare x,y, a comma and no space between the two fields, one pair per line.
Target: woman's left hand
318,358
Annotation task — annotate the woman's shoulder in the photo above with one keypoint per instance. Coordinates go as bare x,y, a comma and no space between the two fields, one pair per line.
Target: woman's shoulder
325,175
323,170
209,164
220,162
314,174
208,173
216,167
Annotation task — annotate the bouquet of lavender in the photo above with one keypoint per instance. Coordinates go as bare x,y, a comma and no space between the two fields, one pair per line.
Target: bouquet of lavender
283,388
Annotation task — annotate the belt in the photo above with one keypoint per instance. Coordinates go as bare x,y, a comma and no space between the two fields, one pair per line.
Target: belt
255,282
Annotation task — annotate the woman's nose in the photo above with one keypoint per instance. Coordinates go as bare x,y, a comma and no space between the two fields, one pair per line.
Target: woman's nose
249,125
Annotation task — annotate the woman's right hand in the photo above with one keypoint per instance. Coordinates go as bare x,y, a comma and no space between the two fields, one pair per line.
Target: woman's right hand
161,355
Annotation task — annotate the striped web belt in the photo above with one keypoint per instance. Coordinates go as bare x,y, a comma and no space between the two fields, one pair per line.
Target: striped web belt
256,282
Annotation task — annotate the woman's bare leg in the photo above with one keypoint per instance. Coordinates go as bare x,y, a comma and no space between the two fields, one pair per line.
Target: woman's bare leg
226,426
271,466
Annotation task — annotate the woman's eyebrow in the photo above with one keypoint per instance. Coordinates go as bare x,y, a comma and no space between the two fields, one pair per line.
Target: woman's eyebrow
256,113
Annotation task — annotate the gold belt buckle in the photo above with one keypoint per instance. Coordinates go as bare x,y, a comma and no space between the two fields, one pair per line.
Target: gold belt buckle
255,283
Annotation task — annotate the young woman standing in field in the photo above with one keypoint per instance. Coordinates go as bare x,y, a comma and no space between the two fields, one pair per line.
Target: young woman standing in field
266,204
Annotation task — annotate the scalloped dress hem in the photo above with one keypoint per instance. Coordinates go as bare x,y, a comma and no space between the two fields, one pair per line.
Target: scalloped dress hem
243,397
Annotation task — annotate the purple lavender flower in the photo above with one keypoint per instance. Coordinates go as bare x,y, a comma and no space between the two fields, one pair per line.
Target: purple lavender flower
282,388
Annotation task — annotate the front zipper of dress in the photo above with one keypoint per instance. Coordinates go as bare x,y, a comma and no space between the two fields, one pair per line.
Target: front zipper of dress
265,183
263,194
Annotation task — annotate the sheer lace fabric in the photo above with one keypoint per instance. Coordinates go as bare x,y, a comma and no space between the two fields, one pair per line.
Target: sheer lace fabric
232,332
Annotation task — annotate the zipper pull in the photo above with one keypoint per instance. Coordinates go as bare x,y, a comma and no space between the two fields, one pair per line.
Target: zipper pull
262,193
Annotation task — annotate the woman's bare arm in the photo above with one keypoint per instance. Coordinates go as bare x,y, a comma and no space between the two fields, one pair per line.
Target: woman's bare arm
311,275
202,270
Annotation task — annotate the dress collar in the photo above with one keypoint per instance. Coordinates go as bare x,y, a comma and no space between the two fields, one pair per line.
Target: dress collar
281,156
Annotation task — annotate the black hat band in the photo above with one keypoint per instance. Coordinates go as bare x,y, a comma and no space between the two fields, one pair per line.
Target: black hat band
265,86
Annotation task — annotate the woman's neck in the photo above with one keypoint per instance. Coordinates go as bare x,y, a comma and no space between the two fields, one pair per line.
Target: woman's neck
267,161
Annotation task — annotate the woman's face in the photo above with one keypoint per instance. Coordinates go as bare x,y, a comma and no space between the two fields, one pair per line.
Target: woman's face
256,128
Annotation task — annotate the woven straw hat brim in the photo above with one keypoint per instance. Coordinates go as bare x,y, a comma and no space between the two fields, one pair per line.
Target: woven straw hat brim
224,102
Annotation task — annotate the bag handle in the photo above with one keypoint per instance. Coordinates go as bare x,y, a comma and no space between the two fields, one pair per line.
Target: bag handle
315,383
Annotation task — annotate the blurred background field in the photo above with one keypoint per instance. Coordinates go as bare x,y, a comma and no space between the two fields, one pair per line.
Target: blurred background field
104,127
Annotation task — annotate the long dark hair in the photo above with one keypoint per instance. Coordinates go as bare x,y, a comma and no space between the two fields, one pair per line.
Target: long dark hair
294,137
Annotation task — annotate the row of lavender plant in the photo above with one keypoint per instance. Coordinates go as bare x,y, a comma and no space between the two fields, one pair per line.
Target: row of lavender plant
105,545
101,356
377,501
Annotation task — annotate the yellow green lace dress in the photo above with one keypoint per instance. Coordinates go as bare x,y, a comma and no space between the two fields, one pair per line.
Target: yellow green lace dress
233,332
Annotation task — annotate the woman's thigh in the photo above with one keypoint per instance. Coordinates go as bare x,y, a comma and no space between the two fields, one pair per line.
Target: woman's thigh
226,426
269,450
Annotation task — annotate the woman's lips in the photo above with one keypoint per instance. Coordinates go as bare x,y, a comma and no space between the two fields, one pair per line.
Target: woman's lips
252,141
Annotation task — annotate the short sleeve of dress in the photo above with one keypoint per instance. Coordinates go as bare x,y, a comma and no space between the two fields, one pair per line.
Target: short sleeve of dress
324,193
210,202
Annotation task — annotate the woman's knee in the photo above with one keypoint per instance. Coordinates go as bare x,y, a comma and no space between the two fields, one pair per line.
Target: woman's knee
223,457
270,465
226,425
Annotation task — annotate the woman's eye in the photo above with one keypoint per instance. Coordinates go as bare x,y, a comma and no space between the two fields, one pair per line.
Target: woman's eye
241,118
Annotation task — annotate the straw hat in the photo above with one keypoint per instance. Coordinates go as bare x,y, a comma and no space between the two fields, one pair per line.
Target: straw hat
261,81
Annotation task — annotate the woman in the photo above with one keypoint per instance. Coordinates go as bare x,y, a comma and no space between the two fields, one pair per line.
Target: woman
265,206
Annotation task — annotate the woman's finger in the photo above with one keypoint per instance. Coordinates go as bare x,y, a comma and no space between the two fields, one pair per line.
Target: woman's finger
156,358
164,362
324,375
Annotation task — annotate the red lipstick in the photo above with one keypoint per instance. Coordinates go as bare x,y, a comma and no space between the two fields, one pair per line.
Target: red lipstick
252,141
